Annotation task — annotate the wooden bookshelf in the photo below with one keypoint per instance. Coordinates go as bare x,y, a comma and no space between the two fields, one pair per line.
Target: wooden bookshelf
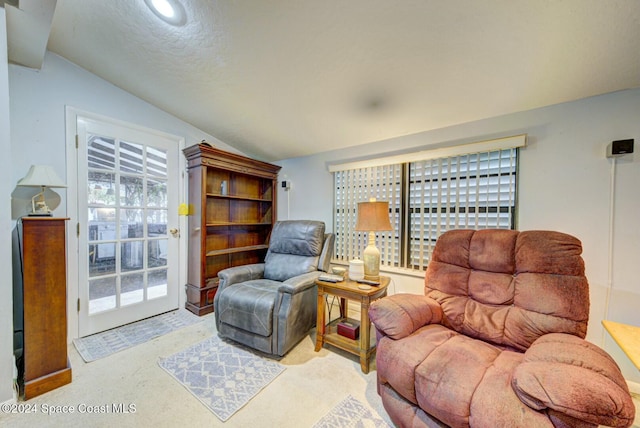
234,208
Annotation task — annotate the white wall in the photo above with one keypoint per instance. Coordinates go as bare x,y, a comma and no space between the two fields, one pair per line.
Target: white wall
564,185
6,293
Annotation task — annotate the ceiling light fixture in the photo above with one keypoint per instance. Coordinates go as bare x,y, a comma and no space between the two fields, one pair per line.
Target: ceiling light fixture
170,11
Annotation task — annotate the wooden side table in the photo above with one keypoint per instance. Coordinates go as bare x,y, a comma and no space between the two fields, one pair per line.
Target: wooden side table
346,290
627,337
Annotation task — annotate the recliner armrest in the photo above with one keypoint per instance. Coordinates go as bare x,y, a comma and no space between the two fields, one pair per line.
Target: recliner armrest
237,274
299,283
324,262
569,375
399,315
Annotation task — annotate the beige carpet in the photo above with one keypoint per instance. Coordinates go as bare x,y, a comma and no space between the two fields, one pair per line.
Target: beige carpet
312,384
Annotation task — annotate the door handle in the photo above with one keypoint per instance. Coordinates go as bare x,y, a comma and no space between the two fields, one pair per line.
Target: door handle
175,232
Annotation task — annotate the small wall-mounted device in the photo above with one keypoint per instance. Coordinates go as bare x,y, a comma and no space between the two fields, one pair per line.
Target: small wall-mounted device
619,148
286,185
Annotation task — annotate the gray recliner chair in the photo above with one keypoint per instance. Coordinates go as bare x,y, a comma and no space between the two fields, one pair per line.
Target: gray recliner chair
271,306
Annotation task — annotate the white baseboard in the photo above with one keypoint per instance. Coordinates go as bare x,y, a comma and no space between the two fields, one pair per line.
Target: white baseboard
12,401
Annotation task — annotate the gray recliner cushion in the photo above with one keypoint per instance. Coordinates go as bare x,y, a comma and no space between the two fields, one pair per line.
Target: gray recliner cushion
249,305
294,249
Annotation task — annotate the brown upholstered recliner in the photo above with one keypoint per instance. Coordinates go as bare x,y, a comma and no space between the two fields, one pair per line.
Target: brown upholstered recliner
498,339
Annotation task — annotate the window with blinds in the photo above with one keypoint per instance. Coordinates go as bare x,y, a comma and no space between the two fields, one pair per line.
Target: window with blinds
426,198
384,183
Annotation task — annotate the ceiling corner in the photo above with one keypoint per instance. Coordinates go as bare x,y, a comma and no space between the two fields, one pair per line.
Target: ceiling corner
28,27
9,2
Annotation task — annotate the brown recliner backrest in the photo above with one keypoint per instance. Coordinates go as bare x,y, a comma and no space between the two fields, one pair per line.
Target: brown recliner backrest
508,287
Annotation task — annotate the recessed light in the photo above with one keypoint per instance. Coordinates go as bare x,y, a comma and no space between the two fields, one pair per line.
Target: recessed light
170,11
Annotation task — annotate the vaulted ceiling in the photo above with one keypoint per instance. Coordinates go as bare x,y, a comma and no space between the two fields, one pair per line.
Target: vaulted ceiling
279,79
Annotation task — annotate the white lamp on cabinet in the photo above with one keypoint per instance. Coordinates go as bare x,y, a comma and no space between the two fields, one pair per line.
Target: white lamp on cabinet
42,176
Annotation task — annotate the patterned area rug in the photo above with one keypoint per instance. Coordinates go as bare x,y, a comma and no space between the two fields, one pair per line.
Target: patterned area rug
222,376
109,342
351,413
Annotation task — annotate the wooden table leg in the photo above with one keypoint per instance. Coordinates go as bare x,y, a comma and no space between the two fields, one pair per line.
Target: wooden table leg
364,335
343,308
320,323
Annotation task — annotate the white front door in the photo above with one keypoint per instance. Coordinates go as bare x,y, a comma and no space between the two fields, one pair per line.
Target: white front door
128,247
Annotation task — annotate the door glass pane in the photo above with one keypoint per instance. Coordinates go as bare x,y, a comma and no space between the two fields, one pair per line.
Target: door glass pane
131,158
156,223
156,162
156,193
102,294
157,253
132,288
131,225
132,256
101,152
101,188
131,191
102,259
102,224
157,283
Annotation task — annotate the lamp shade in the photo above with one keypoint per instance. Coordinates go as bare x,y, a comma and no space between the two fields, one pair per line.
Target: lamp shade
41,176
373,216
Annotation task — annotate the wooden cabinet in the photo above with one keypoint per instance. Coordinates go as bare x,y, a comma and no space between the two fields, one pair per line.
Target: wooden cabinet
232,209
44,290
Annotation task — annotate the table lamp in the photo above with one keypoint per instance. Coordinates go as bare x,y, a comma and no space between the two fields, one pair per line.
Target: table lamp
373,216
42,176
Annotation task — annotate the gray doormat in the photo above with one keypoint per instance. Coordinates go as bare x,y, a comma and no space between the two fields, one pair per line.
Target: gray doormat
108,342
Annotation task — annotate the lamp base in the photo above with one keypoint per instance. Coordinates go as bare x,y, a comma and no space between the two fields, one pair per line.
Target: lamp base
39,206
371,259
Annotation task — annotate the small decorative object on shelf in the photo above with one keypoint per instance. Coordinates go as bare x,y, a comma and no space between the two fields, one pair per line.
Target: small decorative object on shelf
339,270
349,328
234,205
356,269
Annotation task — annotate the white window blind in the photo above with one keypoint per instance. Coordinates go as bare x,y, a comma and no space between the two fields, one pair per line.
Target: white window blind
426,198
475,191
360,185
